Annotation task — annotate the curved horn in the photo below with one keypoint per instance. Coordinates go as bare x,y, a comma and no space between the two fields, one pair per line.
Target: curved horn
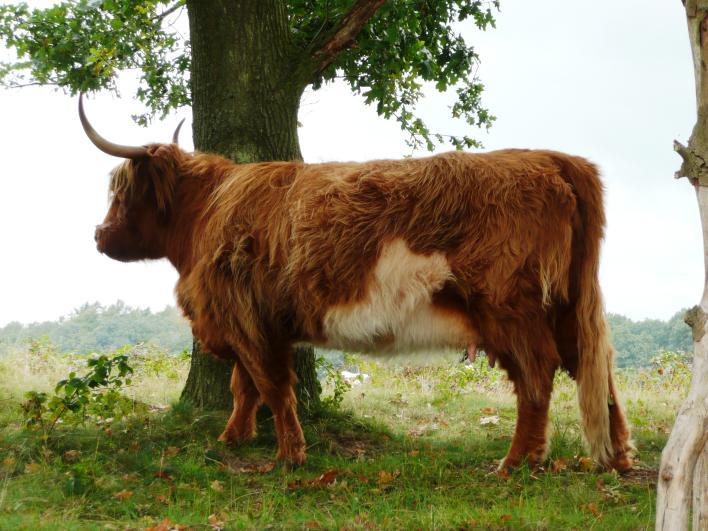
126,152
175,135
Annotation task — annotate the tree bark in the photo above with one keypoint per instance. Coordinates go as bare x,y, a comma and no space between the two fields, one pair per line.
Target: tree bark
245,100
208,381
683,476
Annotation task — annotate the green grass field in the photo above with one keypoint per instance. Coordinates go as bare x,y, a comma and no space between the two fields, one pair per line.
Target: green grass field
414,447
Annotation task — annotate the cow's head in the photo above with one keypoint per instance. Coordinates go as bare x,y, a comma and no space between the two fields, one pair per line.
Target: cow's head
141,193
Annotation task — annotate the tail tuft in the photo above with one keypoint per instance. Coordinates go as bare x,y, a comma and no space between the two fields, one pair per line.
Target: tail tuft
594,348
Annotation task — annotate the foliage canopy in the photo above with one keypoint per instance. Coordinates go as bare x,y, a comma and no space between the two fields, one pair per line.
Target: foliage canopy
83,45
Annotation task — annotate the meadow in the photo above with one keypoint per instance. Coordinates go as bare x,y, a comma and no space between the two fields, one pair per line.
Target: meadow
414,446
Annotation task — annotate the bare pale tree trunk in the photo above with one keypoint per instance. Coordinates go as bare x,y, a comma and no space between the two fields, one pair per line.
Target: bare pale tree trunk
683,476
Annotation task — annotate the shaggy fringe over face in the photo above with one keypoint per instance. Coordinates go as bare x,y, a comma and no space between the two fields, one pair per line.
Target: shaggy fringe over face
156,175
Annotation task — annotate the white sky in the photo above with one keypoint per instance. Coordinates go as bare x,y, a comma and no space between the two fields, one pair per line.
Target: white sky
608,80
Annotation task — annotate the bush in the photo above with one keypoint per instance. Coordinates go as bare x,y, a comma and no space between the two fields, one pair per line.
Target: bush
76,398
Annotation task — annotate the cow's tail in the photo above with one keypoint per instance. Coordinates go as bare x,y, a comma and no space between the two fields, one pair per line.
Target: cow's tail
595,353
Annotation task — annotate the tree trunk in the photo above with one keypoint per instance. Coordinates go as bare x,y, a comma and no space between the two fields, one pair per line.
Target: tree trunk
208,381
683,475
245,100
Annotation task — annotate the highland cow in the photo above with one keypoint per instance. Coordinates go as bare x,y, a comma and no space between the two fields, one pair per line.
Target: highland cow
498,251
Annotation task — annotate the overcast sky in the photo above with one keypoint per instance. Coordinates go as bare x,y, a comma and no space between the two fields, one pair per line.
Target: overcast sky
608,80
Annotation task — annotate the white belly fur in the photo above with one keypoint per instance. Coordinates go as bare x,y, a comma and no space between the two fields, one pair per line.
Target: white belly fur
397,314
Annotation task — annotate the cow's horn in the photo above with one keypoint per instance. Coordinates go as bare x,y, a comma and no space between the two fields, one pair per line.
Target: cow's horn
175,135
126,152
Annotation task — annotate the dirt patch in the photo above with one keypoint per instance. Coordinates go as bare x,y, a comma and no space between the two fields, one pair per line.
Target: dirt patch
351,445
639,475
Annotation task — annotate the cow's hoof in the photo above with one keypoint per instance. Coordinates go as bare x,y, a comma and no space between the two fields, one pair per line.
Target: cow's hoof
622,462
507,466
510,463
234,437
292,457
226,437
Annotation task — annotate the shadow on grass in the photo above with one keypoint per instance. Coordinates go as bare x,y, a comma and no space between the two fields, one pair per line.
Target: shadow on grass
169,464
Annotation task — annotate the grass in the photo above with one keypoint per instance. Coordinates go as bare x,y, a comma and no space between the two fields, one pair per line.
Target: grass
407,450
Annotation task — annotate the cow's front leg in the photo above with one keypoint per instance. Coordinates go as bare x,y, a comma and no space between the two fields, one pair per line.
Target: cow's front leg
241,426
273,376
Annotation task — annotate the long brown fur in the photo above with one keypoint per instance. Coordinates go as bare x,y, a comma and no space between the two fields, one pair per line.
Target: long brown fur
265,250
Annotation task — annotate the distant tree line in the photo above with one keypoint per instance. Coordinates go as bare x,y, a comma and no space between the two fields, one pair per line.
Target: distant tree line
637,342
97,328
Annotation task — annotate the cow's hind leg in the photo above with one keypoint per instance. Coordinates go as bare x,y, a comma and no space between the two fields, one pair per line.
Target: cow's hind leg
533,384
241,426
273,376
619,433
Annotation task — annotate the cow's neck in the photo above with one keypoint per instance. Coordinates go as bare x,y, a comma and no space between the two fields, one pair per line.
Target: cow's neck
189,206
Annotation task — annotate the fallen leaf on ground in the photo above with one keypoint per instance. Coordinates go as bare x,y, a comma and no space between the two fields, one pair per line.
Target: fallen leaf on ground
217,485
586,464
131,477
253,468
558,465
8,461
161,474
167,525
217,521
361,519
505,517
387,477
326,479
493,419
171,451
123,495
488,411
268,467
594,510
71,455
31,468
311,524
162,499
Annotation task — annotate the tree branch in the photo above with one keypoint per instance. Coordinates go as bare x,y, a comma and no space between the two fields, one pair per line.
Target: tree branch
681,150
170,10
345,33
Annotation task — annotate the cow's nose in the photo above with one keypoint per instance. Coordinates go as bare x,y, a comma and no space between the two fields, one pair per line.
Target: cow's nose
99,229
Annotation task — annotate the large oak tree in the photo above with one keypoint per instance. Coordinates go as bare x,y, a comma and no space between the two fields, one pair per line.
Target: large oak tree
244,68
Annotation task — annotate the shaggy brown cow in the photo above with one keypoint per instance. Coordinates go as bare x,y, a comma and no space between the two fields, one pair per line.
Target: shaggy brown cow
497,250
